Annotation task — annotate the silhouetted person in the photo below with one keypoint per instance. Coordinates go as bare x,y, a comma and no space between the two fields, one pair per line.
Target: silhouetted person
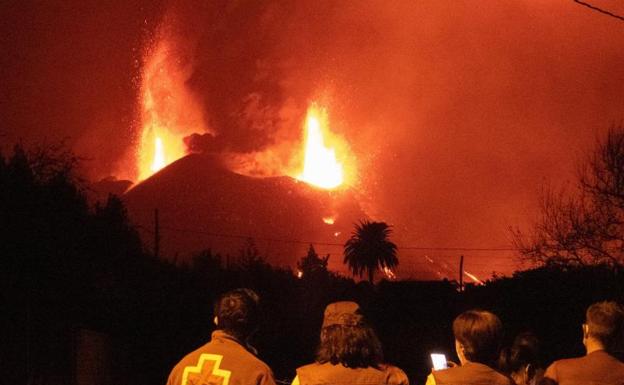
349,352
227,358
478,336
522,361
603,331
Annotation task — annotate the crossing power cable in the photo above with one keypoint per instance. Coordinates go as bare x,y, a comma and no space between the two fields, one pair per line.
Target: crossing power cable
593,7
308,242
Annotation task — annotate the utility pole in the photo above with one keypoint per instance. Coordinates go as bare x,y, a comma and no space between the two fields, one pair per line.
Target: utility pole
461,273
156,234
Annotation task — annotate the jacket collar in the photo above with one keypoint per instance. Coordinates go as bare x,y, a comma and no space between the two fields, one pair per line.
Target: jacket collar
221,335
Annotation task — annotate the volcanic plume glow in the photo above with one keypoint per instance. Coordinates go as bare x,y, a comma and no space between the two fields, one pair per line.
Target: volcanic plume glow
320,167
169,111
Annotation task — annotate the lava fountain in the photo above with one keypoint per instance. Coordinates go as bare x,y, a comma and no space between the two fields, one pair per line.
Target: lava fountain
159,156
321,166
169,111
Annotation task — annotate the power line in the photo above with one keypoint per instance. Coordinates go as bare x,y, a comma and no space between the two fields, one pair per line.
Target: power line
241,236
457,248
307,242
452,257
599,9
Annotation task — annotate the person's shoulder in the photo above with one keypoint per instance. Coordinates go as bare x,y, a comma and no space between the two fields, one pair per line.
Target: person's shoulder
394,375
191,357
309,366
251,360
503,379
610,362
235,350
604,356
451,370
247,362
306,368
553,369
443,374
305,372
480,370
567,362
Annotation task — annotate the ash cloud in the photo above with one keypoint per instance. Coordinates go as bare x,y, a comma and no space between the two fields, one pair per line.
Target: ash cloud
457,111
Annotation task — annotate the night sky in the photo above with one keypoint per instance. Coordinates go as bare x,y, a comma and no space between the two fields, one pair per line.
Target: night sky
458,112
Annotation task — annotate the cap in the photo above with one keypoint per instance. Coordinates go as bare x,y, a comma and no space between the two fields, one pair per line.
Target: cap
343,313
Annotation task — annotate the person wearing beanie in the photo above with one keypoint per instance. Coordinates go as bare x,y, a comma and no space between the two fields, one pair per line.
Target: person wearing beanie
349,352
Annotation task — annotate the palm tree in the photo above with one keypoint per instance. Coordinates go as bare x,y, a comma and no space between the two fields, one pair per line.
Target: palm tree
370,248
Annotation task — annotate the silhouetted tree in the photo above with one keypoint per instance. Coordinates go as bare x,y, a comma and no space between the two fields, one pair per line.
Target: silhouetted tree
369,248
116,235
249,258
252,268
65,265
312,265
206,261
585,225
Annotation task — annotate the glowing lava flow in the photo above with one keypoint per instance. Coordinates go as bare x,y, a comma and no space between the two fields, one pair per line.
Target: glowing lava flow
320,167
474,278
329,220
388,273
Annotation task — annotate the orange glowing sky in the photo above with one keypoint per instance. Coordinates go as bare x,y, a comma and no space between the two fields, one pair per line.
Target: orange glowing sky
456,111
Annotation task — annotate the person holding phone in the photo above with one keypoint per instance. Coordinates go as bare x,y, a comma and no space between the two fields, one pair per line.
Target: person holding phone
478,336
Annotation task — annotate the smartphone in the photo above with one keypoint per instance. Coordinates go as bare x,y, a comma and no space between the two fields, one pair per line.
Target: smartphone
439,361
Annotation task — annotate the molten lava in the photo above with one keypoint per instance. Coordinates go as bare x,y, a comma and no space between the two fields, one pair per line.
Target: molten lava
388,273
159,156
329,220
474,278
320,166
169,110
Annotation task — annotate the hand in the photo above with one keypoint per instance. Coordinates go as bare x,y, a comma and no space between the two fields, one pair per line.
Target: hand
449,364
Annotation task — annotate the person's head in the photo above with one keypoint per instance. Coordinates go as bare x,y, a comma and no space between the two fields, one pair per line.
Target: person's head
347,339
478,336
237,312
604,326
522,359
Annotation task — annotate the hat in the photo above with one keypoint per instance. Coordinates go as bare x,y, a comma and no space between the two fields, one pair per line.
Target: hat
343,313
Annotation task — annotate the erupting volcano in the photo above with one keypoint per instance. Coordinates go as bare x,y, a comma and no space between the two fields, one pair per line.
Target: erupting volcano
320,167
170,112
295,189
204,203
